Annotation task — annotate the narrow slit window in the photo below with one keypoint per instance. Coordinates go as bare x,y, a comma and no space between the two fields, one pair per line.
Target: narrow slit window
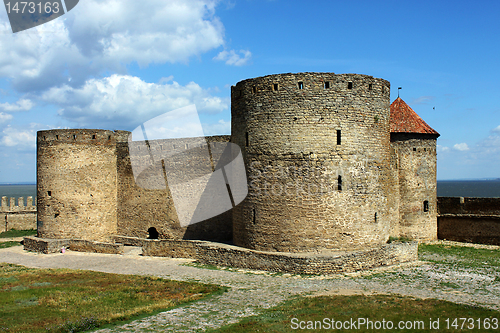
57,137
375,217
246,139
49,193
426,206
109,137
254,89
301,85
327,84
93,136
74,136
275,87
187,146
370,86
349,85
253,215
339,137
339,183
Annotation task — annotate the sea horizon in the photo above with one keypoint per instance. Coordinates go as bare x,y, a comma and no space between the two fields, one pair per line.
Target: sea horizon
481,188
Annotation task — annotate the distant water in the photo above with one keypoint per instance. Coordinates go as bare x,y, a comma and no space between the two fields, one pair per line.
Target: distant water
469,188
445,188
18,191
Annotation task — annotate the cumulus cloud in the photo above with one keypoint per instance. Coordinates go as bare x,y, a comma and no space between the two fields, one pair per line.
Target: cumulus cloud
4,117
234,58
21,138
20,105
124,101
497,129
101,35
461,146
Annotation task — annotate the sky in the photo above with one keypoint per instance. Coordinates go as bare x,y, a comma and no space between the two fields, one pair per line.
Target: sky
114,64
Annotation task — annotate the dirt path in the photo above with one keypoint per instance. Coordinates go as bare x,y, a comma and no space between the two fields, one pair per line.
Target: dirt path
252,291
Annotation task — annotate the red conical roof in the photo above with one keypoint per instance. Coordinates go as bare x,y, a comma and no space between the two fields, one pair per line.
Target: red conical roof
405,120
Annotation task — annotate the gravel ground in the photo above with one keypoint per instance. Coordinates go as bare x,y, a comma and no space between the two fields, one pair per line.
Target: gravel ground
252,291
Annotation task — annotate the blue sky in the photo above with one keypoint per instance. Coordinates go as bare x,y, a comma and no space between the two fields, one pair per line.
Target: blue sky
115,64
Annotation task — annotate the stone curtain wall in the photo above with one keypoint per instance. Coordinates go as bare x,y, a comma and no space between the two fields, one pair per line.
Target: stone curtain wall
141,207
473,220
416,159
76,178
300,135
19,217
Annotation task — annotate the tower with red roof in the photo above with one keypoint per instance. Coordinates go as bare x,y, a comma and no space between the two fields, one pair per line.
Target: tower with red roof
413,161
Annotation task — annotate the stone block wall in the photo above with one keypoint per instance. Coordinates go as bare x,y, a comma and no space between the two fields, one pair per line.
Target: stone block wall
317,151
415,156
146,202
77,183
297,263
20,216
473,220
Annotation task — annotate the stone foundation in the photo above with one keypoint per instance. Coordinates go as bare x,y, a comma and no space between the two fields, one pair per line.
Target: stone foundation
325,262
50,245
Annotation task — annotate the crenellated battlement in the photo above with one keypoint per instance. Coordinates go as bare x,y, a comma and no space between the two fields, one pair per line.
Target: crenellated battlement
9,205
81,136
20,216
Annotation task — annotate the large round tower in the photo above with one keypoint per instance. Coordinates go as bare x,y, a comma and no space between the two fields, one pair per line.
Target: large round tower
77,183
317,152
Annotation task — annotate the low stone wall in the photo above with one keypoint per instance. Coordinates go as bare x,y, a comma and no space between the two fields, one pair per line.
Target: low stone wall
298,263
473,220
19,217
50,245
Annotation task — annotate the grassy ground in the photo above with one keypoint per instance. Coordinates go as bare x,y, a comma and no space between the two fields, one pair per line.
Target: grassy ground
319,314
17,233
62,300
478,268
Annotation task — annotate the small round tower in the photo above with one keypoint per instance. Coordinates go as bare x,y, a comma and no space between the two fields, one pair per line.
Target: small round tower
77,183
317,152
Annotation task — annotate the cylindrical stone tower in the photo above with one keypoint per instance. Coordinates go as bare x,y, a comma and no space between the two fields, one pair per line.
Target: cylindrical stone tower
77,183
317,152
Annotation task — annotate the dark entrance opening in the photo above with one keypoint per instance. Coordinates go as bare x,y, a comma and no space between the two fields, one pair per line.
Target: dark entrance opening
153,233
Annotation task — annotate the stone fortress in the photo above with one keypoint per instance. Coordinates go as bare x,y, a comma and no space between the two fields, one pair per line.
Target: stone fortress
331,165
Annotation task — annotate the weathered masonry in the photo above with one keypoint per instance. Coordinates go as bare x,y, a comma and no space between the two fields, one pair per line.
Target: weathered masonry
331,165
19,217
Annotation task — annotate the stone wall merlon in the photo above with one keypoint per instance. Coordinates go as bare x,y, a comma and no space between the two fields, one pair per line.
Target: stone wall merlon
468,206
9,205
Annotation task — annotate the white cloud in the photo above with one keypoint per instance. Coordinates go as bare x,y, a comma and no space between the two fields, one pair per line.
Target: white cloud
4,117
496,129
220,128
461,147
22,139
103,35
442,148
234,59
124,101
20,105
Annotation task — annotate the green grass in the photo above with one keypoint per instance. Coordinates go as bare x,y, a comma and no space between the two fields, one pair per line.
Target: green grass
375,308
4,245
460,256
17,233
63,300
